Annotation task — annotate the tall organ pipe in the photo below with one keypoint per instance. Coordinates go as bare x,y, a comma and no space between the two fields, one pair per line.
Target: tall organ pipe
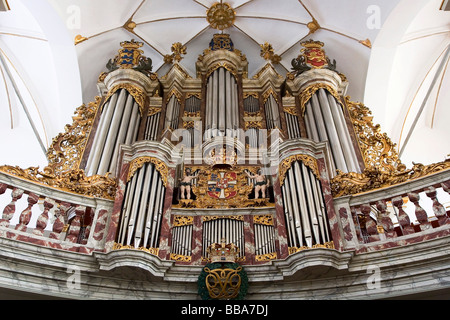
221,104
119,122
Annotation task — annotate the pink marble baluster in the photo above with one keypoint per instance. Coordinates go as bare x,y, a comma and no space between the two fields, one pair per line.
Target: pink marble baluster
42,220
371,226
446,187
3,188
25,216
421,214
10,209
58,224
75,225
438,208
385,220
403,218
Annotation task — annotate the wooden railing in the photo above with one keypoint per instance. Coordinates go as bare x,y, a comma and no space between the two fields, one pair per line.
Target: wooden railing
35,213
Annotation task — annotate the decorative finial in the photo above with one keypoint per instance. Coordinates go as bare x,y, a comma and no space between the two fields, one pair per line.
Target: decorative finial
268,53
177,50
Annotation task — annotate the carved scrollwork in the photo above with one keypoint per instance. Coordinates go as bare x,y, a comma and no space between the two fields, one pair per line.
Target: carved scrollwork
160,166
374,178
72,180
307,160
67,148
377,148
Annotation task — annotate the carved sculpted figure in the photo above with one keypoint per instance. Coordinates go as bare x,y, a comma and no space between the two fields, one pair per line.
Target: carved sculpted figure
185,184
261,183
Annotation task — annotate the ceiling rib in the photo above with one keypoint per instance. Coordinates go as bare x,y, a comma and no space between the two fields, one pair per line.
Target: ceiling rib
425,100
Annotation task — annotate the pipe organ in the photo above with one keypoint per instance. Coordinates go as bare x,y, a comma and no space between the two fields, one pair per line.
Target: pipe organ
269,147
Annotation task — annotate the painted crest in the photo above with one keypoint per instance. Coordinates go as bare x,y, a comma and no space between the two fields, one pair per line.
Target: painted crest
222,185
314,54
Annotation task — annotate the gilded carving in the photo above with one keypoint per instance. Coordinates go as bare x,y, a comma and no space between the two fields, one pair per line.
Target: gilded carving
160,166
268,53
220,16
178,50
375,178
210,218
223,283
307,160
138,94
180,258
119,246
179,221
266,219
307,93
326,245
377,148
67,148
72,180
266,257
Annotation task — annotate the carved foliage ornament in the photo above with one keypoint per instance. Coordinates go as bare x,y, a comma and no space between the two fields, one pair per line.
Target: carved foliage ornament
73,180
138,94
374,178
307,93
160,166
377,148
307,160
64,156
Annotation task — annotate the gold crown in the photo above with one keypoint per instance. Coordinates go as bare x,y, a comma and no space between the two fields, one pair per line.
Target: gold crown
312,44
131,44
222,156
221,252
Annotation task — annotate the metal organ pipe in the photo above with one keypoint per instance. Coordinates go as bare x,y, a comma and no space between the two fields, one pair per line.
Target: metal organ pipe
338,116
118,124
221,104
142,208
302,193
100,136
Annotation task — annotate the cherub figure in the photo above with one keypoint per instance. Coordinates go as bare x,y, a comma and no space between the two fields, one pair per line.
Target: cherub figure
261,183
185,184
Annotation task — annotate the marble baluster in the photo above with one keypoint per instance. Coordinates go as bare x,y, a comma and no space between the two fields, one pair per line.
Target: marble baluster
420,213
10,209
42,220
58,224
403,218
385,220
26,214
438,208
371,226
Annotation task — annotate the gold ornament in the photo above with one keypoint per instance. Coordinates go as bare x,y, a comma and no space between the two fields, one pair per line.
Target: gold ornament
220,16
307,160
160,166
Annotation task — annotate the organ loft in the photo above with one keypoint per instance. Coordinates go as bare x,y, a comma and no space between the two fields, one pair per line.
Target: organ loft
219,185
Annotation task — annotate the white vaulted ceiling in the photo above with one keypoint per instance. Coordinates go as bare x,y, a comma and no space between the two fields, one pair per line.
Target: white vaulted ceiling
407,36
